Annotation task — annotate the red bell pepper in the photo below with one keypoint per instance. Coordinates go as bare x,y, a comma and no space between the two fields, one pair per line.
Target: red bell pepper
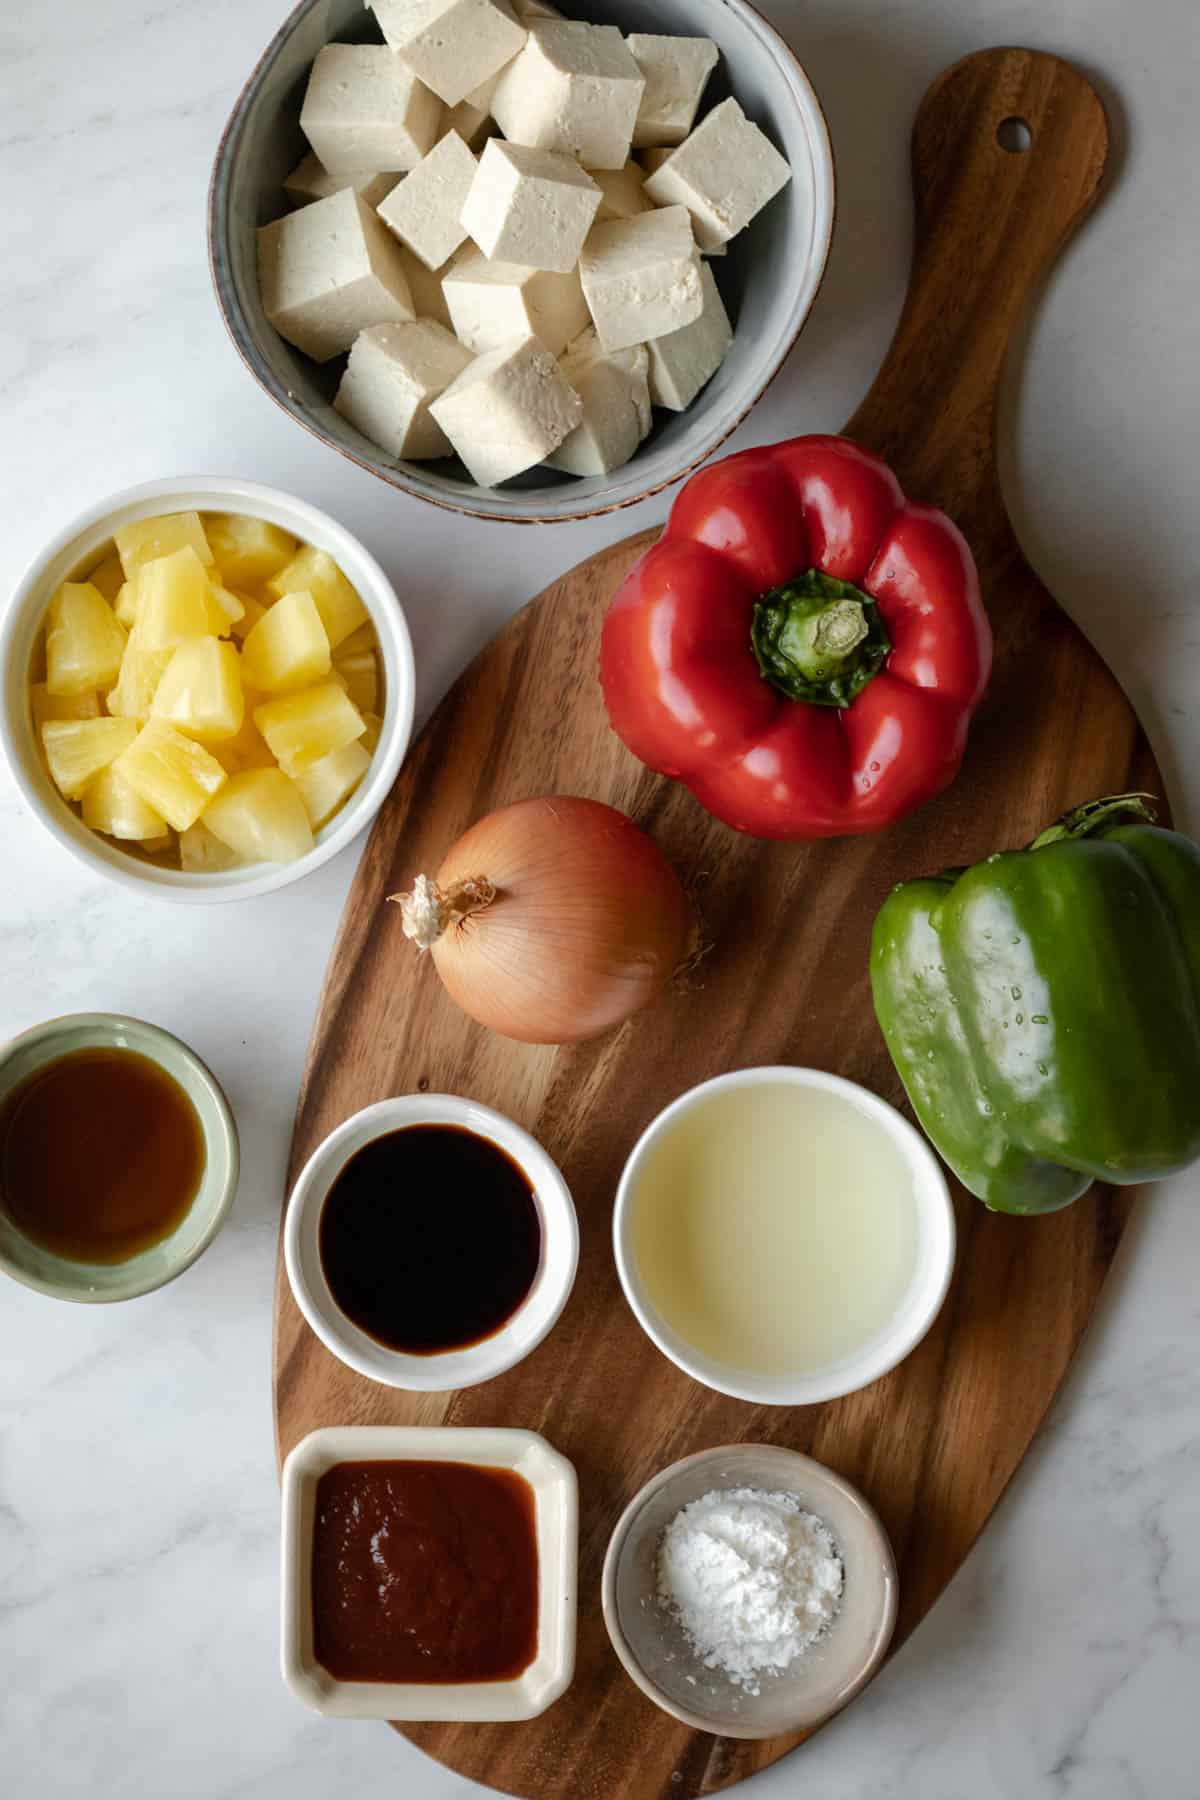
803,646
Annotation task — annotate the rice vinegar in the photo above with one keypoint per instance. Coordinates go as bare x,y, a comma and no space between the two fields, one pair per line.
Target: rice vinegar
774,1227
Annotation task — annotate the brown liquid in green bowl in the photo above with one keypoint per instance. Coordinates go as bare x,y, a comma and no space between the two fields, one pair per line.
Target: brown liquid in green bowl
101,1155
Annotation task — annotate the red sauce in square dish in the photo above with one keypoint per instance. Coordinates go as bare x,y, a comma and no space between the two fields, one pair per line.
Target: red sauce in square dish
424,1572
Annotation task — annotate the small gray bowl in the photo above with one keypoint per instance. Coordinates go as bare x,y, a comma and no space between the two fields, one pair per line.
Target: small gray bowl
768,279
62,1277
650,1642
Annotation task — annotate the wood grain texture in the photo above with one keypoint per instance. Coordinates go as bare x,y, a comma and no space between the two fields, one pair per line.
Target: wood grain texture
935,1443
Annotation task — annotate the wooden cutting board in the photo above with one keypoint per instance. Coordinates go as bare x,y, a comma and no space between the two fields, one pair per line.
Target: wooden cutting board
935,1443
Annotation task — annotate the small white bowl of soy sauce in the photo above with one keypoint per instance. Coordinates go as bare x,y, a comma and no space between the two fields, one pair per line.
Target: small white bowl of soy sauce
430,1242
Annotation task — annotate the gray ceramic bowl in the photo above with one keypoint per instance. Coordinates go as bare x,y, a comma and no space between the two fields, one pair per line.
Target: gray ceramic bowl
651,1644
768,279
63,1279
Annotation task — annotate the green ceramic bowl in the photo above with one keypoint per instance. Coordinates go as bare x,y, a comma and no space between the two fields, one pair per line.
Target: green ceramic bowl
38,1268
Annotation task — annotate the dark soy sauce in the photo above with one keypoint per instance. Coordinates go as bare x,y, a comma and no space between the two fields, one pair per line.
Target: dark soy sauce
430,1239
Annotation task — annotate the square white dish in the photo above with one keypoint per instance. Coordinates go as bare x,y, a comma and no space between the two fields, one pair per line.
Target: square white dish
556,1516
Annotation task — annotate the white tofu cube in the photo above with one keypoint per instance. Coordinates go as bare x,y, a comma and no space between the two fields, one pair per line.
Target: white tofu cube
423,211
676,70
491,303
364,110
573,88
613,386
622,193
425,287
530,206
682,361
724,173
641,277
329,271
394,372
451,45
310,180
508,411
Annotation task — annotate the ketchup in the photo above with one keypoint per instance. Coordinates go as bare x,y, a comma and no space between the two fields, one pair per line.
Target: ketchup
424,1572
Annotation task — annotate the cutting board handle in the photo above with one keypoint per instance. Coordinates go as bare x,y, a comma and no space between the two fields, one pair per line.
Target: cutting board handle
1008,150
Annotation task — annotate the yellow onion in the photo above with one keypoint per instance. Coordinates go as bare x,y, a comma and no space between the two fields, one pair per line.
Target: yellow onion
552,920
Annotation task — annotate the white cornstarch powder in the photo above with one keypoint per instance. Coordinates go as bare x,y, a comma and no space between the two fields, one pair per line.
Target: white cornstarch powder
753,1579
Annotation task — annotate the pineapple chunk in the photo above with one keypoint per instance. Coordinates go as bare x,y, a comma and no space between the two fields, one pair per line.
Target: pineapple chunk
125,605
200,853
200,692
370,737
260,817
252,611
77,749
224,610
288,648
313,571
137,684
108,576
326,785
302,728
148,539
247,549
157,846
248,750
84,643
173,600
360,676
359,642
111,805
175,775
44,705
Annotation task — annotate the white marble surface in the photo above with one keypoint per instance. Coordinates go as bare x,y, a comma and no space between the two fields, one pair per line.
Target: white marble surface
138,1508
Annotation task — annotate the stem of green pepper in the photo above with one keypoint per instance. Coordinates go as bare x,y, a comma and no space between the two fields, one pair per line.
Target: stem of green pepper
1093,817
818,639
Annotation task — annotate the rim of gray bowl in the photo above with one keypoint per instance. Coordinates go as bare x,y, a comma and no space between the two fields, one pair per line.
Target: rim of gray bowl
398,477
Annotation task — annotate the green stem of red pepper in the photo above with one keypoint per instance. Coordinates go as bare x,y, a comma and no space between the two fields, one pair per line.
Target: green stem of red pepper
818,639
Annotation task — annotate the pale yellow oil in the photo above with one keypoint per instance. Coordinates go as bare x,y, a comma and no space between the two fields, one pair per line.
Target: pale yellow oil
775,1227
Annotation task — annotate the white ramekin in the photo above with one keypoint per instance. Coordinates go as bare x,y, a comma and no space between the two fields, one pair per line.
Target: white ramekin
467,1367
556,1524
84,538
889,1346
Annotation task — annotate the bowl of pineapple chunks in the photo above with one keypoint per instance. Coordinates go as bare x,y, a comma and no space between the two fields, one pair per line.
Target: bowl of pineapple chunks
208,688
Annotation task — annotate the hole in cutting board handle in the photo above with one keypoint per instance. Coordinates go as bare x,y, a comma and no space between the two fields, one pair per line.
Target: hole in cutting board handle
1014,135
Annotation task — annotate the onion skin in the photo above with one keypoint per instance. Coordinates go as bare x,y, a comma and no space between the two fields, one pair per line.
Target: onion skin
588,924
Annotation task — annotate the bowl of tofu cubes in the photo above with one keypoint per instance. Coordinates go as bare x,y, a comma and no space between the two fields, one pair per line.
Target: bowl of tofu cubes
207,688
521,265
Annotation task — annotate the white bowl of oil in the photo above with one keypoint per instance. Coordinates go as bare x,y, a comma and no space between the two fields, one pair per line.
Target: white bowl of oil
783,1235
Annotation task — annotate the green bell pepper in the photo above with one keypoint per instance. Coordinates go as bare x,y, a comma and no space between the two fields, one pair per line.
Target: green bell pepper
1043,1008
